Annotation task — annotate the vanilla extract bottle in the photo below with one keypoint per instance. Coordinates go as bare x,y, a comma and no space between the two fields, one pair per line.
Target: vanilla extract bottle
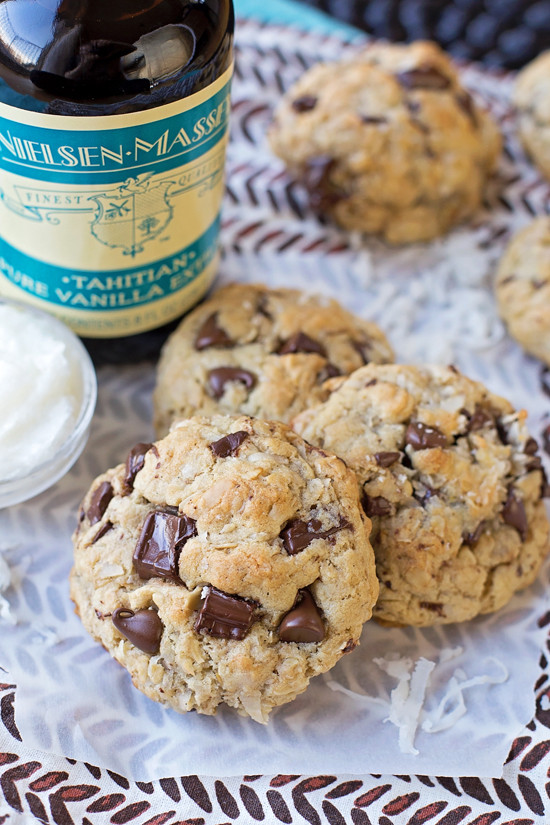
113,132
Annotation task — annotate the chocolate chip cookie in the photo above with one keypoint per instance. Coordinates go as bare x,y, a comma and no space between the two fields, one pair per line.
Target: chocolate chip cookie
389,142
452,482
259,351
228,562
532,99
522,288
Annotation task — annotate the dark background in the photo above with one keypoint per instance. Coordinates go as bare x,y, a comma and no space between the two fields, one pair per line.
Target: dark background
505,33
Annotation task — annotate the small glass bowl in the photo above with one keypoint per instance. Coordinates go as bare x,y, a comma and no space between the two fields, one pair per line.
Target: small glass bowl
31,482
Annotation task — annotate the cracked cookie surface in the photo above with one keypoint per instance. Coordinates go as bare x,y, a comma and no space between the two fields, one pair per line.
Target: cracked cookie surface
262,352
226,563
532,100
522,288
389,142
450,478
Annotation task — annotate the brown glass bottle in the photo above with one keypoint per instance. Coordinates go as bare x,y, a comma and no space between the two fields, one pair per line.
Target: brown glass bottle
71,63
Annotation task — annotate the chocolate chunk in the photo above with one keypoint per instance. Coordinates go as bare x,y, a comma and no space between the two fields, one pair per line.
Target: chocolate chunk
163,536
531,446
298,534
134,463
101,497
212,335
142,628
108,525
534,464
423,77
303,623
225,616
386,459
349,646
228,444
316,176
304,104
300,342
435,607
375,505
422,437
219,377
478,419
472,538
513,513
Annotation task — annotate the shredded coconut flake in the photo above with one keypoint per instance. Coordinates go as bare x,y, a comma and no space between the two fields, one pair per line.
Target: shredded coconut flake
406,703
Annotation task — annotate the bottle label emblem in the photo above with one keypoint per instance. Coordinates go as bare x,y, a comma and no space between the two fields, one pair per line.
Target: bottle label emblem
112,222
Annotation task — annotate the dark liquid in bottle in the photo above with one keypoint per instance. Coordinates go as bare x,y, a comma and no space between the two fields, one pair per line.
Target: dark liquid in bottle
106,57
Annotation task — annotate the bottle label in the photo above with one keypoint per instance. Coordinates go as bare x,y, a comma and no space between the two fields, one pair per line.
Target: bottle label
111,223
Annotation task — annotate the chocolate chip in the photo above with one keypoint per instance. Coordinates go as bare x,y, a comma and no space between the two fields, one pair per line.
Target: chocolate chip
464,101
212,335
472,538
303,623
298,534
108,525
304,104
422,437
163,536
219,377
328,371
386,459
425,494
423,77
99,502
316,176
225,616
363,349
142,628
478,419
372,382
502,432
349,646
228,444
435,607
134,463
534,464
531,446
375,505
513,513
300,342
372,120
261,307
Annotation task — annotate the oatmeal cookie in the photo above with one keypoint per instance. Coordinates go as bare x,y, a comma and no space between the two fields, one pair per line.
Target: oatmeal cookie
451,480
262,352
532,100
388,142
228,562
522,288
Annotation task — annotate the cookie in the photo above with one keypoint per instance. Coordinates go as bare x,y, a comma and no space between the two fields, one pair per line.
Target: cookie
388,143
522,288
531,97
228,562
451,480
262,352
